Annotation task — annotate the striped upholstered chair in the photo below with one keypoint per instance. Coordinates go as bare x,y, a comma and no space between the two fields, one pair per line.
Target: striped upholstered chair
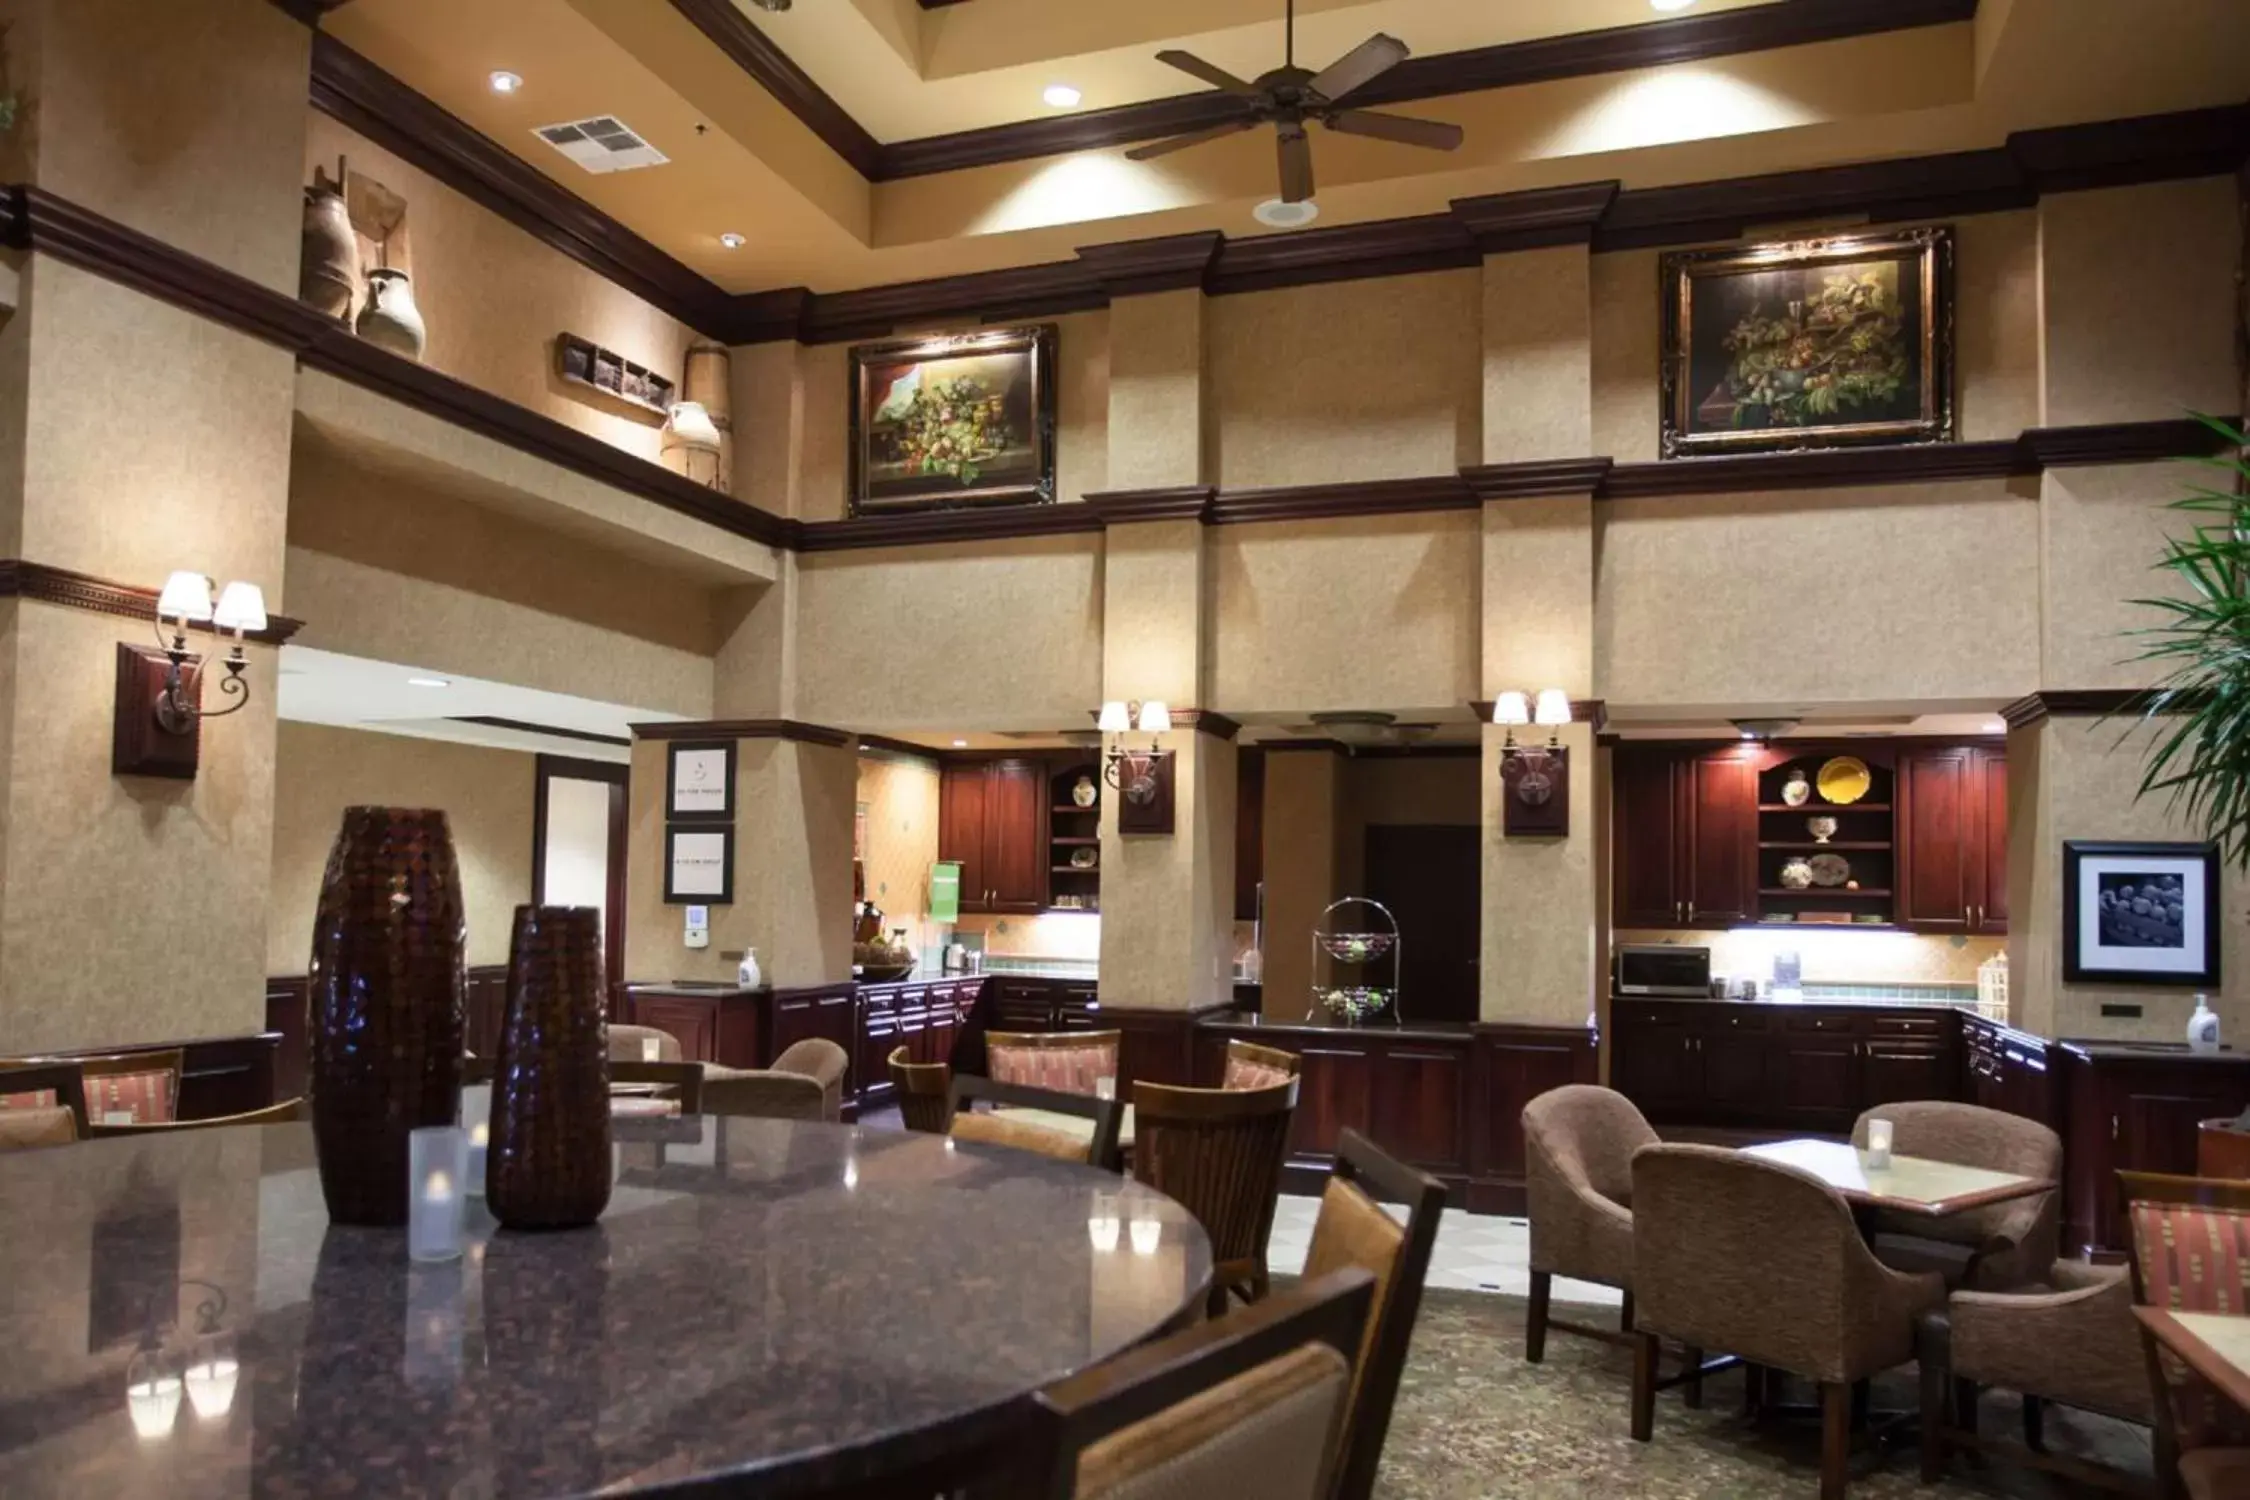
2191,1253
1067,1061
1250,1066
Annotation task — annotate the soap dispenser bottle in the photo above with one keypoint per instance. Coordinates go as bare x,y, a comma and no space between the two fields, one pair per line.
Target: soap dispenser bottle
2203,1027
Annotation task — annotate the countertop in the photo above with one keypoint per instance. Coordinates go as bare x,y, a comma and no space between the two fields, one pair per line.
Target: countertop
2096,1050
761,1297
1429,1031
1847,1002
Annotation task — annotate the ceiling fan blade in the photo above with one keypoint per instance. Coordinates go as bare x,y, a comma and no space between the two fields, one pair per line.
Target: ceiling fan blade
1296,165
1378,54
1217,77
1401,128
1182,142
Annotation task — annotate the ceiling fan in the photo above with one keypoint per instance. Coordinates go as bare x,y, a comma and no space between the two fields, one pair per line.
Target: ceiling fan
1290,96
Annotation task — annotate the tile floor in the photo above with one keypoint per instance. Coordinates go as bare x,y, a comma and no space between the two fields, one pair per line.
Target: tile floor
1475,1253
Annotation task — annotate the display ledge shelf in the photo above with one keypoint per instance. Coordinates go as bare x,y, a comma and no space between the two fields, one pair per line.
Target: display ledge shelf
1863,894
1825,807
1074,869
1831,844
1091,842
1072,807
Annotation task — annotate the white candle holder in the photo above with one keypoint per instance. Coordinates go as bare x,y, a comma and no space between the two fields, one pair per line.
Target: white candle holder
476,1123
1147,1234
1105,1087
1878,1144
435,1196
1104,1223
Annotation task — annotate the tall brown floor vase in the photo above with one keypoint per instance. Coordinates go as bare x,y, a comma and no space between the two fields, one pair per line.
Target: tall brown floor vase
548,1165
388,993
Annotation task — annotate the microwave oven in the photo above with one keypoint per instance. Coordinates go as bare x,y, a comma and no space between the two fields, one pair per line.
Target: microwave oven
1663,969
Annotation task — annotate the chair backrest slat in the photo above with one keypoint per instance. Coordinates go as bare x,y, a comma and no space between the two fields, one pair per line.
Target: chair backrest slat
1218,1152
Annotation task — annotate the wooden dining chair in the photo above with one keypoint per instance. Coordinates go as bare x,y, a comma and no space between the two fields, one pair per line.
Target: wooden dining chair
683,1080
924,1092
286,1111
1098,1147
1248,1405
1250,1066
142,1086
1219,1153
2190,1252
1070,1061
44,1085
1354,1230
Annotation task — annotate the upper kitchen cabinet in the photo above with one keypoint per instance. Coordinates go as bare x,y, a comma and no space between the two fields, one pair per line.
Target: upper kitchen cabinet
992,818
1953,840
1684,833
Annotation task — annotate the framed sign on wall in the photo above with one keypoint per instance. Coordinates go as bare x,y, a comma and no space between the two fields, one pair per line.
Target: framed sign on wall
699,866
699,782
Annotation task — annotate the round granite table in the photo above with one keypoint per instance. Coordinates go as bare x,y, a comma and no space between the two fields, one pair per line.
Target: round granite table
767,1307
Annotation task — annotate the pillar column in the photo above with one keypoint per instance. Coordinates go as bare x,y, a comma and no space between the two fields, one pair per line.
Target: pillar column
1304,811
140,439
795,789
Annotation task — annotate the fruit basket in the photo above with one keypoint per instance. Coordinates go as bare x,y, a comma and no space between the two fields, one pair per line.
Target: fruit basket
1358,947
1355,1002
1352,934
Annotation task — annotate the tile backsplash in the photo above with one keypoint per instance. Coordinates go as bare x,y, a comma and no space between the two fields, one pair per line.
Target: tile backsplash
1842,957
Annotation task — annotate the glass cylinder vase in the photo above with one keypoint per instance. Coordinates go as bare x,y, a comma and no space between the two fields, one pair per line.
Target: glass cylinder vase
547,1165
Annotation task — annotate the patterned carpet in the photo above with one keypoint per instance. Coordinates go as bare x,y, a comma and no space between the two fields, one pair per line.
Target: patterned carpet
1473,1419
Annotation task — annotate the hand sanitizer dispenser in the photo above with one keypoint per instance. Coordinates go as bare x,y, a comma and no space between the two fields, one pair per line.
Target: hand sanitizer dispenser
2203,1027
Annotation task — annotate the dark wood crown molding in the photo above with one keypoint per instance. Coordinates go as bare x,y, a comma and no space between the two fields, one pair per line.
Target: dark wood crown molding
2118,443
1167,263
739,38
311,11
2076,703
744,729
922,527
22,579
552,731
1207,721
1537,479
1371,497
1818,468
1594,711
1536,219
1187,502
360,95
908,748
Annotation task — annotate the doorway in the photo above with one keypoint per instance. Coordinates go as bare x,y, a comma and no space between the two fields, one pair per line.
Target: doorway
1431,878
578,847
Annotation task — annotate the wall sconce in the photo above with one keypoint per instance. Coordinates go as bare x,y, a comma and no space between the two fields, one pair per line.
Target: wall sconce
160,693
1534,779
1143,778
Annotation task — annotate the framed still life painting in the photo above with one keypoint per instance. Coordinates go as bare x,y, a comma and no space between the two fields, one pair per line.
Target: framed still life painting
955,420
2140,913
1809,344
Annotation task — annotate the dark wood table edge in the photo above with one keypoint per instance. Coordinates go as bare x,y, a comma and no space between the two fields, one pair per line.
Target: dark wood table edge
2233,1383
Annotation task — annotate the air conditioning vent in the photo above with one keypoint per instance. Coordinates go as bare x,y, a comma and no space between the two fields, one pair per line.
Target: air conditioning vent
603,143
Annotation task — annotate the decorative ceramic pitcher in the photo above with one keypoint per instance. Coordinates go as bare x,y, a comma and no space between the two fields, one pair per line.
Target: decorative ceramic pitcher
390,320
328,273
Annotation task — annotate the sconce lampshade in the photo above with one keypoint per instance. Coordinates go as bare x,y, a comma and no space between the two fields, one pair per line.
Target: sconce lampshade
1511,708
1553,707
1155,718
242,608
186,596
1114,718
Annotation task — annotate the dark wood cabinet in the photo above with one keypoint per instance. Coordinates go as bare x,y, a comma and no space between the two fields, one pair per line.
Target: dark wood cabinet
992,818
1953,840
927,1019
1249,833
2135,1108
1685,837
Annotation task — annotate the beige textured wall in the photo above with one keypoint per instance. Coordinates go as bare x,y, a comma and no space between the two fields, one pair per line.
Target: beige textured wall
1538,388
964,636
485,793
1156,390
1304,819
1368,612
1168,903
121,108
2079,780
821,385
1996,335
1347,380
2137,283
1542,928
1538,619
2103,531
1894,593
900,794
1155,612
494,298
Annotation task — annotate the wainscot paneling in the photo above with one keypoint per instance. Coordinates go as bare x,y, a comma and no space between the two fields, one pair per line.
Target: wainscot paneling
1512,1066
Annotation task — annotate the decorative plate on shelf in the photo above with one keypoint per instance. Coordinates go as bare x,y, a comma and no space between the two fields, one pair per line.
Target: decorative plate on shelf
1082,859
1844,779
1830,869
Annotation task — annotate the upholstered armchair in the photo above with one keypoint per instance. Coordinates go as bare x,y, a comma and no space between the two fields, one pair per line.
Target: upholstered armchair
764,1093
824,1063
2073,1340
1734,1253
1992,1248
630,1044
1578,1175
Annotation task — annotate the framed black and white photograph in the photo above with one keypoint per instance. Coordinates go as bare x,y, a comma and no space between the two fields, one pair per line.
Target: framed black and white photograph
2137,913
699,782
699,866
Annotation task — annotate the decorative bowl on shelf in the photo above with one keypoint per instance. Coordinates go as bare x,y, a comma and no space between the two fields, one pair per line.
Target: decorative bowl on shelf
1822,828
1083,859
1357,947
1844,779
1354,1002
1796,873
1830,869
880,962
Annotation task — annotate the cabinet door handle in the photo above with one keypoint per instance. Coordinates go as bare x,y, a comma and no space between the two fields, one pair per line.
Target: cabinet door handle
2113,1127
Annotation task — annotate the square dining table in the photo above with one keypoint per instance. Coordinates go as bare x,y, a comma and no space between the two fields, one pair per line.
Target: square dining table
1910,1184
2214,1345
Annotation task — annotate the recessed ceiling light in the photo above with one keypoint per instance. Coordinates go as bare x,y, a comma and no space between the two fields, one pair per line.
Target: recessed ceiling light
428,682
731,240
1060,95
960,744
1276,214
1669,4
505,82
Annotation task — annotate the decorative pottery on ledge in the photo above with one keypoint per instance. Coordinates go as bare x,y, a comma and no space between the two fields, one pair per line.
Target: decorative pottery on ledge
548,1163
388,992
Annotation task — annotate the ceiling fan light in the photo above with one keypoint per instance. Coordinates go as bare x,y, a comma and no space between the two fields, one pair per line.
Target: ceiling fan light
1277,214
1669,5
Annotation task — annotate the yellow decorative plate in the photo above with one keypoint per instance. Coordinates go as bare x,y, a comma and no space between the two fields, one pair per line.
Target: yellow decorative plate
1843,779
